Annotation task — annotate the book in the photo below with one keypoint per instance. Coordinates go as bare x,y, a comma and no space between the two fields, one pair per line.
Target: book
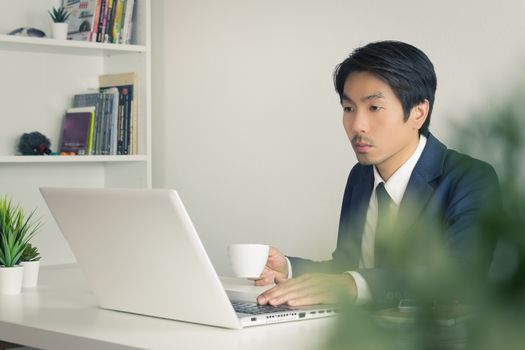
77,132
109,18
127,120
117,25
82,18
90,99
94,30
111,110
102,20
127,22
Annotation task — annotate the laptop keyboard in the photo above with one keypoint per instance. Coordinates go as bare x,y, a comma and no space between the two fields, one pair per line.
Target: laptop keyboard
256,309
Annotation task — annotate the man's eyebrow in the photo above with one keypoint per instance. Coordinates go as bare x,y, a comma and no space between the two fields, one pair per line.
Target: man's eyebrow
373,96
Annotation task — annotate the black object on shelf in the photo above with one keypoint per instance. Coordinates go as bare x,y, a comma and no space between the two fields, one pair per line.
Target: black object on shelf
34,144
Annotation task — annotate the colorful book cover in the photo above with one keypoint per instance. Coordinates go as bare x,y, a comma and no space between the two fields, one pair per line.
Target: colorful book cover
82,18
92,99
77,132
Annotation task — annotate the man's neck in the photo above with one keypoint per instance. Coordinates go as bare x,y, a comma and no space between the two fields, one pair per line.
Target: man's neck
389,167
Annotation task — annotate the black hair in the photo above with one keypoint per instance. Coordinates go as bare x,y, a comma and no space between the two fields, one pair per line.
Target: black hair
405,68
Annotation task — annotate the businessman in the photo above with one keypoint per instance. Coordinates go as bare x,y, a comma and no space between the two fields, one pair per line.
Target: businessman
404,177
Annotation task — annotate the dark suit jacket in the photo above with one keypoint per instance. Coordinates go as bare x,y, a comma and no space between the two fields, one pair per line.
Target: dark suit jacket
445,197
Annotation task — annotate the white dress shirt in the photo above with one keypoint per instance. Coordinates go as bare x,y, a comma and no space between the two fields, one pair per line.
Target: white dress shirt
395,187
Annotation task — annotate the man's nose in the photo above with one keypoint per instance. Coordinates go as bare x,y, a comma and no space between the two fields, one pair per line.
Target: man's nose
359,123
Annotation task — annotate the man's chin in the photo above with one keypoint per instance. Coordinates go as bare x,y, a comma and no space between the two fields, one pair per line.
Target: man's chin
363,160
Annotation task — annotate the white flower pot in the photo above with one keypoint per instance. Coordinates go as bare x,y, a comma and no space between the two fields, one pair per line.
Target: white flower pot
31,269
11,279
59,30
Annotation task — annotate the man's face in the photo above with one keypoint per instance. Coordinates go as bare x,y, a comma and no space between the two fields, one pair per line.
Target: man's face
374,122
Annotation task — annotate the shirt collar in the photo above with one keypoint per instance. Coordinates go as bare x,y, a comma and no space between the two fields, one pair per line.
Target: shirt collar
398,182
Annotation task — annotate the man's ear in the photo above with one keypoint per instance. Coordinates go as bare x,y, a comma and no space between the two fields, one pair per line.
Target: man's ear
419,114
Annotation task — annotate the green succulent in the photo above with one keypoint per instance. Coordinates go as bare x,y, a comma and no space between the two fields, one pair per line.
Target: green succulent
30,253
16,230
59,15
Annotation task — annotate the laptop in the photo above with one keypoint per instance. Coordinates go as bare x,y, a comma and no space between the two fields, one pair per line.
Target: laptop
141,254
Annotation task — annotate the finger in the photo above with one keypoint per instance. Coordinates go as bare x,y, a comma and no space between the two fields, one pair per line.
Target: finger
312,299
263,298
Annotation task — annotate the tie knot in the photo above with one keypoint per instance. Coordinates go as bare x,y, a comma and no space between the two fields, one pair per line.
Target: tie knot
383,198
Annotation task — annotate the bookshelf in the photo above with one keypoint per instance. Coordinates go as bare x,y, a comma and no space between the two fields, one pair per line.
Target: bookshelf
39,78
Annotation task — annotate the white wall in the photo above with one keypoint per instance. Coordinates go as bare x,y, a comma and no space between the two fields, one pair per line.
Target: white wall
247,126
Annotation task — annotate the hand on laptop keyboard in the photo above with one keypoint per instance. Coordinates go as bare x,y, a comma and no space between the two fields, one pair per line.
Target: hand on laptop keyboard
310,289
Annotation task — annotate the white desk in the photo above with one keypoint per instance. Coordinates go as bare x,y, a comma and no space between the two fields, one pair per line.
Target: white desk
62,314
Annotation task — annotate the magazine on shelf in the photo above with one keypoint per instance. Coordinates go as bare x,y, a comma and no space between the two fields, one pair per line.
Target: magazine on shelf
77,131
82,18
91,99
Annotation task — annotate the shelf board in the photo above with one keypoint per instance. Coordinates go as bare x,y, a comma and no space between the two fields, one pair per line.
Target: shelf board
70,159
22,43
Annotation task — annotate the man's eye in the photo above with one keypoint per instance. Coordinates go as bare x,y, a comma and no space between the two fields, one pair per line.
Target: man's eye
375,108
348,109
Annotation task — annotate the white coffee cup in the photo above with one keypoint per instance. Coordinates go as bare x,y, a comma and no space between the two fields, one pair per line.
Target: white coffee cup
248,260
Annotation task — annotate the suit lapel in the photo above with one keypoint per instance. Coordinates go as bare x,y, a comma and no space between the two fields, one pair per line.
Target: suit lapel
359,201
419,189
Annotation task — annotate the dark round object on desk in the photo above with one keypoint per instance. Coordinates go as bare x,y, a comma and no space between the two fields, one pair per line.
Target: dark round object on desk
34,144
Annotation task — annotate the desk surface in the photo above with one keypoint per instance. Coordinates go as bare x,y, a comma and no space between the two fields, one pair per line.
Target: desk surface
62,313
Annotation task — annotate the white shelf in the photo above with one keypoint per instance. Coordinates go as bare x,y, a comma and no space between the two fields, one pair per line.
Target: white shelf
71,159
39,78
10,42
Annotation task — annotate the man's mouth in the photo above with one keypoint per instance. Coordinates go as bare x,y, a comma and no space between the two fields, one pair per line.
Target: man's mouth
362,147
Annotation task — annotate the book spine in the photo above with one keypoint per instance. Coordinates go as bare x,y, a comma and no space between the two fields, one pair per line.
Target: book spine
94,28
131,116
118,22
107,122
120,127
100,125
90,136
126,26
111,26
107,24
100,27
134,125
113,119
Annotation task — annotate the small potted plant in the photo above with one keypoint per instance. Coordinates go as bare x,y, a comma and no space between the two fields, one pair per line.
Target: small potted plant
59,26
30,260
16,229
